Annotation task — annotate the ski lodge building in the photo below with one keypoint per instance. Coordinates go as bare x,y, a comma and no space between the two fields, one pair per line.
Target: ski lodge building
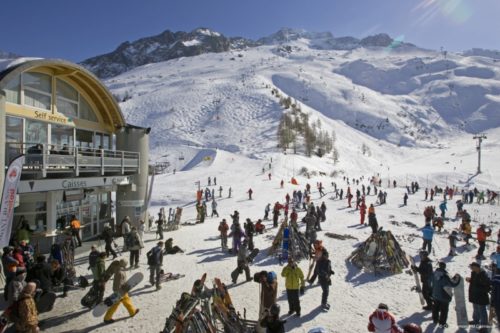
78,149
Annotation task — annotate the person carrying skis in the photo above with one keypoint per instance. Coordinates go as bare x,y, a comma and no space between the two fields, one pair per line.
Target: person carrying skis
268,291
223,228
382,321
427,234
272,321
426,273
119,283
294,283
324,272
266,212
242,263
155,261
479,287
441,298
362,212
482,234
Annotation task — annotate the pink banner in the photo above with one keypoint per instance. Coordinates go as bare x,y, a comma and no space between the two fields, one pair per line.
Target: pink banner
12,178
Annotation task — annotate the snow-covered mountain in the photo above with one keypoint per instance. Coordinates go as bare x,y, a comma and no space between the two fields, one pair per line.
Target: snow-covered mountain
403,96
170,45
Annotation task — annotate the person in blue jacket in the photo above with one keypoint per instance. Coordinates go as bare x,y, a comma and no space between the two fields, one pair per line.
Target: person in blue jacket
427,233
443,209
441,298
495,295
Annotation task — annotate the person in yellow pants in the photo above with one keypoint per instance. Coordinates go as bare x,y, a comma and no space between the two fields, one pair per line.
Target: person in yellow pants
120,279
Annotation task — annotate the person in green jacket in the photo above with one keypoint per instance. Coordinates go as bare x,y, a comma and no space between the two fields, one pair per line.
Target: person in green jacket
294,283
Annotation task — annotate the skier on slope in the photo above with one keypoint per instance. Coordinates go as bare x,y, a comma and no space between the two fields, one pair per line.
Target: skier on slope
426,273
266,212
324,272
443,209
382,321
362,212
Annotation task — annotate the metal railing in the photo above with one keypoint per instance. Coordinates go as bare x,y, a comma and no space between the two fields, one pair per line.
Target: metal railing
52,159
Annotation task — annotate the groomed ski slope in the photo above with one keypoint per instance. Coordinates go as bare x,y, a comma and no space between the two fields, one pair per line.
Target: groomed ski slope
353,294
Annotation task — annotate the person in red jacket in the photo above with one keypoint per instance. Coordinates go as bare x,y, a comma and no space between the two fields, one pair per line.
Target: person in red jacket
482,234
223,228
382,321
362,212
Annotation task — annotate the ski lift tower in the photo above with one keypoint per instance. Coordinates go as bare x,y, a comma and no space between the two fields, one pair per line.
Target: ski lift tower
479,138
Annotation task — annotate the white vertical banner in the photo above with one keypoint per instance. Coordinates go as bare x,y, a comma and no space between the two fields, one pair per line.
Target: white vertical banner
9,199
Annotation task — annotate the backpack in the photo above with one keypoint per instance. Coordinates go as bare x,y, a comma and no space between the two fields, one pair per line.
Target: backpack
153,255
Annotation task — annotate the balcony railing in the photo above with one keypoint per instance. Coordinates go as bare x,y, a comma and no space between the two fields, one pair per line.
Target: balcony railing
55,159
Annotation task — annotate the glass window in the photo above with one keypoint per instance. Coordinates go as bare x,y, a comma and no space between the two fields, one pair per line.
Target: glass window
66,91
12,90
61,135
35,132
105,142
86,111
84,139
67,108
97,140
37,90
13,138
37,100
37,81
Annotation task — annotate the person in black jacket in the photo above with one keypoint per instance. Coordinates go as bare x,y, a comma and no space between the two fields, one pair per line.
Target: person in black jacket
495,295
479,286
107,235
249,231
41,271
441,298
425,271
58,277
324,270
271,320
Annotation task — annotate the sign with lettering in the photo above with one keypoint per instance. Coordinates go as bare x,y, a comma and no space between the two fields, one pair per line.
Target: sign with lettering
53,118
8,198
130,203
43,185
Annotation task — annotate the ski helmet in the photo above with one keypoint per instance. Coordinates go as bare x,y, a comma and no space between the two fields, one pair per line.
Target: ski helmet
271,276
275,309
412,328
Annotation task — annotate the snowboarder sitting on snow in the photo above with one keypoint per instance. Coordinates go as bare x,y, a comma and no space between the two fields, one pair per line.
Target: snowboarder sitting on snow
425,270
441,298
242,263
259,227
381,320
272,321
170,248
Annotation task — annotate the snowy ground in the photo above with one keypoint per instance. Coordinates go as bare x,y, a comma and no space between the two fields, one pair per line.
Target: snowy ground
354,294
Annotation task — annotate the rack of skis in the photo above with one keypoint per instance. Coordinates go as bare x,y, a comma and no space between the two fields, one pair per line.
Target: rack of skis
207,311
289,241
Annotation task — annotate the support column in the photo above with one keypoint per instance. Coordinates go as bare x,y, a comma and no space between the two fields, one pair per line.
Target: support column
52,198
131,199
3,123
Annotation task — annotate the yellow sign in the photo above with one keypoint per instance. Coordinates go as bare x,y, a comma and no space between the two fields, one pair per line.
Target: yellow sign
54,118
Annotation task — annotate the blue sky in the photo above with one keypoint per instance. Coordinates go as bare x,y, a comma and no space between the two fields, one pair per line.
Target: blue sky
78,29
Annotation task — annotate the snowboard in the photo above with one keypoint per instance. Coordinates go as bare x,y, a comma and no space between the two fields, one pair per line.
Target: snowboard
224,309
312,262
46,302
286,239
92,297
183,308
115,297
418,286
252,255
460,307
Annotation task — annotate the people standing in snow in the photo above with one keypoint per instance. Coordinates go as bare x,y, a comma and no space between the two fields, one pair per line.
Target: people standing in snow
495,295
250,192
268,291
237,233
223,228
482,234
241,263
453,238
324,272
134,244
362,212
266,212
294,284
427,234
405,199
155,261
479,287
249,231
443,208
372,219
382,321
441,298
214,208
426,274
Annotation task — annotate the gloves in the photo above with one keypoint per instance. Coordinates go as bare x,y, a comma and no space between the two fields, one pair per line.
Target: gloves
302,290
